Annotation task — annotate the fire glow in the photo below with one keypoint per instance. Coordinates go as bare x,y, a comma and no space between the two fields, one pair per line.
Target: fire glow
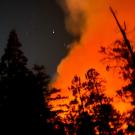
93,23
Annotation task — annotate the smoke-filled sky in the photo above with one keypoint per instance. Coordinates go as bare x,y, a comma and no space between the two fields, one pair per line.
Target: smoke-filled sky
93,23
40,27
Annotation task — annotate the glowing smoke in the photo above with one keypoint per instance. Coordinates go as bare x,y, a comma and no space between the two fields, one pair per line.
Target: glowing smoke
92,23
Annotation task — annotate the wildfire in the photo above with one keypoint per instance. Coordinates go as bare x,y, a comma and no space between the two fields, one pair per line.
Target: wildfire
92,22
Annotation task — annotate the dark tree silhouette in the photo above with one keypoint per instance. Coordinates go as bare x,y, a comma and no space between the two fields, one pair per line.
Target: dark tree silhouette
90,111
121,57
50,122
22,105
57,122
13,72
40,99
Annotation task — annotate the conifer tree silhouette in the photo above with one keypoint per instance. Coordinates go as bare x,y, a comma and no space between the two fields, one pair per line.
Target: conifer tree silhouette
22,104
12,73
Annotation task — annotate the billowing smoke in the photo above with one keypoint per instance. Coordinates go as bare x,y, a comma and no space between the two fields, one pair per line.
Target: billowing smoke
75,15
91,23
79,13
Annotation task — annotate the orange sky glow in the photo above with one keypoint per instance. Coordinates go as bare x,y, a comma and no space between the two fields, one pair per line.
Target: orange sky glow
94,23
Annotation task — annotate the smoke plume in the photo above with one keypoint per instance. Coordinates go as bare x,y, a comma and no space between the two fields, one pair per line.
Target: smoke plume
92,25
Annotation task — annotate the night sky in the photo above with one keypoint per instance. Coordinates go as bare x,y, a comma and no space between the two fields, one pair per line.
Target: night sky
40,27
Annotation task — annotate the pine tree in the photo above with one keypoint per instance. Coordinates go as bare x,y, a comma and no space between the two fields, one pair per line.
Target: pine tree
21,91
12,73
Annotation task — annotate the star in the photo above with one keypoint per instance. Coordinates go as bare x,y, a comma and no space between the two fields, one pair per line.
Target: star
53,31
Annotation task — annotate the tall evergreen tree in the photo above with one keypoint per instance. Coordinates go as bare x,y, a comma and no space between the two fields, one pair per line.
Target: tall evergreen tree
12,73
41,89
21,91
